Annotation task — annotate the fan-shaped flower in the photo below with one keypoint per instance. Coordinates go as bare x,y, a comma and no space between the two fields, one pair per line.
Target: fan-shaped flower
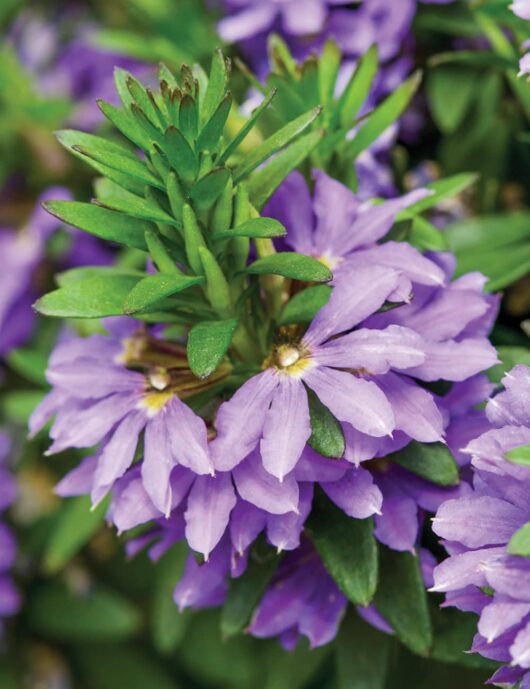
480,575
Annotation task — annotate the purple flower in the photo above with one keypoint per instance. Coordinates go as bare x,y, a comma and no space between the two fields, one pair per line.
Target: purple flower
480,574
521,8
97,400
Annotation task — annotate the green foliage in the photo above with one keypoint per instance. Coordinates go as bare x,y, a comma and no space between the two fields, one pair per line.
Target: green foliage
326,437
432,461
348,549
207,345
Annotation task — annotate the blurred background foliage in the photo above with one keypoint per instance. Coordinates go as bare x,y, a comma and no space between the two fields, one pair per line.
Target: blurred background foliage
90,620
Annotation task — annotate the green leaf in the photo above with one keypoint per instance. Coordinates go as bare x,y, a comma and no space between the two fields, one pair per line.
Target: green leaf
382,117
426,236
217,289
255,228
402,600
328,69
207,190
124,164
109,666
137,207
193,239
110,225
275,143
510,357
94,297
168,623
246,128
99,614
496,245
356,92
180,154
125,123
451,90
432,461
519,543
305,305
519,455
245,593
208,343
18,405
217,84
68,277
73,140
73,527
153,288
212,131
348,549
291,265
264,182
362,655
326,437
29,363
443,189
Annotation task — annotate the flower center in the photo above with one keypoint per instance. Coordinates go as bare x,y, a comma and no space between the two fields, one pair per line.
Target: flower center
159,378
287,356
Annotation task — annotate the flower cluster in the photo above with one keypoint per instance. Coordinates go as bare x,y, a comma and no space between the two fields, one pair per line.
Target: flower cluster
219,473
485,535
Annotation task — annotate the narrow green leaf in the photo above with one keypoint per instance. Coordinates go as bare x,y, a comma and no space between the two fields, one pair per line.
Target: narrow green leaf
180,155
443,189
223,211
519,455
305,305
326,437
402,600
126,165
126,124
141,97
245,593
217,83
255,228
207,190
362,654
70,139
137,207
168,624
208,343
291,265
432,461
212,131
356,92
275,143
328,69
152,289
193,239
247,127
217,288
55,612
75,524
30,364
426,236
456,85
348,549
103,223
68,277
188,118
93,297
264,182
519,543
382,117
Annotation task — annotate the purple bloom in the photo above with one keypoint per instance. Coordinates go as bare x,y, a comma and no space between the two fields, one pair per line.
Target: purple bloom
521,8
478,527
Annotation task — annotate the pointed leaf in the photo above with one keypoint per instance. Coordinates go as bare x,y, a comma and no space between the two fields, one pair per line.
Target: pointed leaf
305,305
217,83
207,190
93,297
402,600
208,343
153,288
432,461
326,437
382,117
110,225
213,130
519,455
276,142
348,549
247,127
264,182
180,155
356,92
255,228
291,265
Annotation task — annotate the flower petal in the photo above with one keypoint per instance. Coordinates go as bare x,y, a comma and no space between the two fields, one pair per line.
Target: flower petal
263,490
356,494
